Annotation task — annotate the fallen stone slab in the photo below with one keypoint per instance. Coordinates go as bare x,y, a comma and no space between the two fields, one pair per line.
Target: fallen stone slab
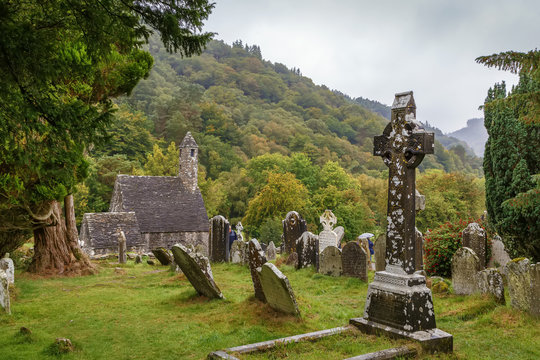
196,268
387,354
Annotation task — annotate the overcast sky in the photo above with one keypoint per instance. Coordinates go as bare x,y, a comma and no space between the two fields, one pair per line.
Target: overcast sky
375,49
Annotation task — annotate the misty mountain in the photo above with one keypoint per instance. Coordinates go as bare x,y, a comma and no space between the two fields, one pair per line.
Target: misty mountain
474,134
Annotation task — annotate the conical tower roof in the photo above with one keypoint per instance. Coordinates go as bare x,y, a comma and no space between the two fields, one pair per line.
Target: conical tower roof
189,141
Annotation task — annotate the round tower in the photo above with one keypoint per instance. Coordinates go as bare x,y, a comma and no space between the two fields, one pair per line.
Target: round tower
189,155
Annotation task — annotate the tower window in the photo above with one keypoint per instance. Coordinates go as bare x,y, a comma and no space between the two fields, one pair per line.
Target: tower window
192,152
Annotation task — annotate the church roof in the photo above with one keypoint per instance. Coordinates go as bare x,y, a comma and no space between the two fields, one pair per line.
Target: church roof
188,141
162,203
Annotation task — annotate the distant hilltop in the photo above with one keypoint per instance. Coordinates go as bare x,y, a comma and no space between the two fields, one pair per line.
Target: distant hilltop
473,137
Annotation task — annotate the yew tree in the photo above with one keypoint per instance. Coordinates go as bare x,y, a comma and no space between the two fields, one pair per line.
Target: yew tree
61,64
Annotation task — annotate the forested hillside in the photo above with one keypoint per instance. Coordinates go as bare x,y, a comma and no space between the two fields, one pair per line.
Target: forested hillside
264,132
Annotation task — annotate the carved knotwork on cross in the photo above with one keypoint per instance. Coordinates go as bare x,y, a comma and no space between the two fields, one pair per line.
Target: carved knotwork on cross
403,145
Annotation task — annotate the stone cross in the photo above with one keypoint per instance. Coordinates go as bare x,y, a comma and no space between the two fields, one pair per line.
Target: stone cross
402,146
122,250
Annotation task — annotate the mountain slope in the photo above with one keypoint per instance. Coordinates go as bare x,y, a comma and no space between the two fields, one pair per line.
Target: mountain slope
474,134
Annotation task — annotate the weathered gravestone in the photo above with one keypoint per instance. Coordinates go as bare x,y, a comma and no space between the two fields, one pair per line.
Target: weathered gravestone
277,290
519,283
239,229
271,251
238,252
354,261
474,237
122,249
499,256
327,237
164,256
340,232
293,227
419,250
535,289
307,248
330,261
196,268
138,259
364,244
7,265
256,260
398,297
490,281
219,239
380,252
465,265
420,201
4,292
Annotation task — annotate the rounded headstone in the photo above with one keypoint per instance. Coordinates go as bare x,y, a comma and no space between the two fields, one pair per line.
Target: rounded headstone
465,265
277,290
354,261
7,265
489,281
330,261
474,237
519,283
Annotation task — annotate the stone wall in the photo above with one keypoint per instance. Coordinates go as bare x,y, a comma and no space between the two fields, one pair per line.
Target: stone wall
167,240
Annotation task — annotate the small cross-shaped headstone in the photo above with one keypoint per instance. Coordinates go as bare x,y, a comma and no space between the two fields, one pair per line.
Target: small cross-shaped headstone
402,146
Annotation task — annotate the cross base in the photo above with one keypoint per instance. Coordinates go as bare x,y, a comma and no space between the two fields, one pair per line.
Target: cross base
400,301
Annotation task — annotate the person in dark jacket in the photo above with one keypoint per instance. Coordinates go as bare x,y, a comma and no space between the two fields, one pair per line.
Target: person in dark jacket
232,237
371,251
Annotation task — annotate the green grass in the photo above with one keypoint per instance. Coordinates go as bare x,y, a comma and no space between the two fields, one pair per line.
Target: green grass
151,313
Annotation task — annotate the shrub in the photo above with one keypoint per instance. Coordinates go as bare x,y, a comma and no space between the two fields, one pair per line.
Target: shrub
441,244
271,230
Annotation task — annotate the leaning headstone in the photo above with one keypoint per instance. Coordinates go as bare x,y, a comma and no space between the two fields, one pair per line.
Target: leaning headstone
419,250
465,265
354,261
307,248
490,281
7,265
293,227
519,283
256,259
535,289
380,251
330,261
277,290
4,292
340,232
164,256
327,237
474,237
219,239
271,251
122,250
238,252
196,268
499,256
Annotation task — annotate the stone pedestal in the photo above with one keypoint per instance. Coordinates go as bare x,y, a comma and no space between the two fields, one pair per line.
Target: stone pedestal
400,301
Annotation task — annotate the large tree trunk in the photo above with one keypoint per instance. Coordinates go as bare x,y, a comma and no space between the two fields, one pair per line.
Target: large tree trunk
56,249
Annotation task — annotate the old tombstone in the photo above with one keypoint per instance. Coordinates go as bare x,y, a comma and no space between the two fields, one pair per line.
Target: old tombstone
7,265
238,252
330,261
474,237
327,237
380,252
256,260
499,256
307,248
490,281
419,250
293,227
239,229
398,297
219,239
164,256
138,259
271,251
364,244
4,292
535,289
292,259
340,232
196,268
465,265
420,201
122,250
354,261
277,290
519,283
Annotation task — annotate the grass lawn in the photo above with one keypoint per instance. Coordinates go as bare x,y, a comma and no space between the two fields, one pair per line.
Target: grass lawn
151,313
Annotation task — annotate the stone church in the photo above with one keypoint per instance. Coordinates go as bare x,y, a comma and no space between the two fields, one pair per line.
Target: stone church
153,211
